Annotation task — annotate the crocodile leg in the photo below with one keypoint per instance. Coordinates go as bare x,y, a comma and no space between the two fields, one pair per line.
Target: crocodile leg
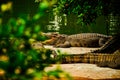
66,44
102,41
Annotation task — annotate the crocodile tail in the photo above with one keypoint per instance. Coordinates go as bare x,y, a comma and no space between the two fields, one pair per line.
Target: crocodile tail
102,60
110,46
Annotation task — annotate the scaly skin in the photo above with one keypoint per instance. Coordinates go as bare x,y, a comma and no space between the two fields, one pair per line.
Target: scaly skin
102,60
83,40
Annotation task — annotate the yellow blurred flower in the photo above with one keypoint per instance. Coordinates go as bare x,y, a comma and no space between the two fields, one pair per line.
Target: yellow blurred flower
30,71
4,58
2,72
6,7
18,70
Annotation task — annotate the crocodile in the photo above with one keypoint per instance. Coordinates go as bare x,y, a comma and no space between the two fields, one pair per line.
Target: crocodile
101,60
110,46
78,40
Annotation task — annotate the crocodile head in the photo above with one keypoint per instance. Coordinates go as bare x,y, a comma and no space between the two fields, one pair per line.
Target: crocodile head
54,39
50,35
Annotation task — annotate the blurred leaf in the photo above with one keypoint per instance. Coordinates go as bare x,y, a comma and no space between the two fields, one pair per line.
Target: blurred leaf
43,5
4,65
38,75
37,28
20,59
20,30
37,16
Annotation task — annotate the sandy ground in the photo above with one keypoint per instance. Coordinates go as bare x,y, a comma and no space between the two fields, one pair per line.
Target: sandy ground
83,69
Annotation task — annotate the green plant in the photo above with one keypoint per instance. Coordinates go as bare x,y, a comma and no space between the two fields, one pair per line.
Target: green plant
17,59
88,10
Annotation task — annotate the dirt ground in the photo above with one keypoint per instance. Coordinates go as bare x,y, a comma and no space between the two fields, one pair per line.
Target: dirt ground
85,71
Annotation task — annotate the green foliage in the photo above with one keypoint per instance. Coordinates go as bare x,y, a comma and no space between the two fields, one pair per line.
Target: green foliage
87,10
57,74
17,59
